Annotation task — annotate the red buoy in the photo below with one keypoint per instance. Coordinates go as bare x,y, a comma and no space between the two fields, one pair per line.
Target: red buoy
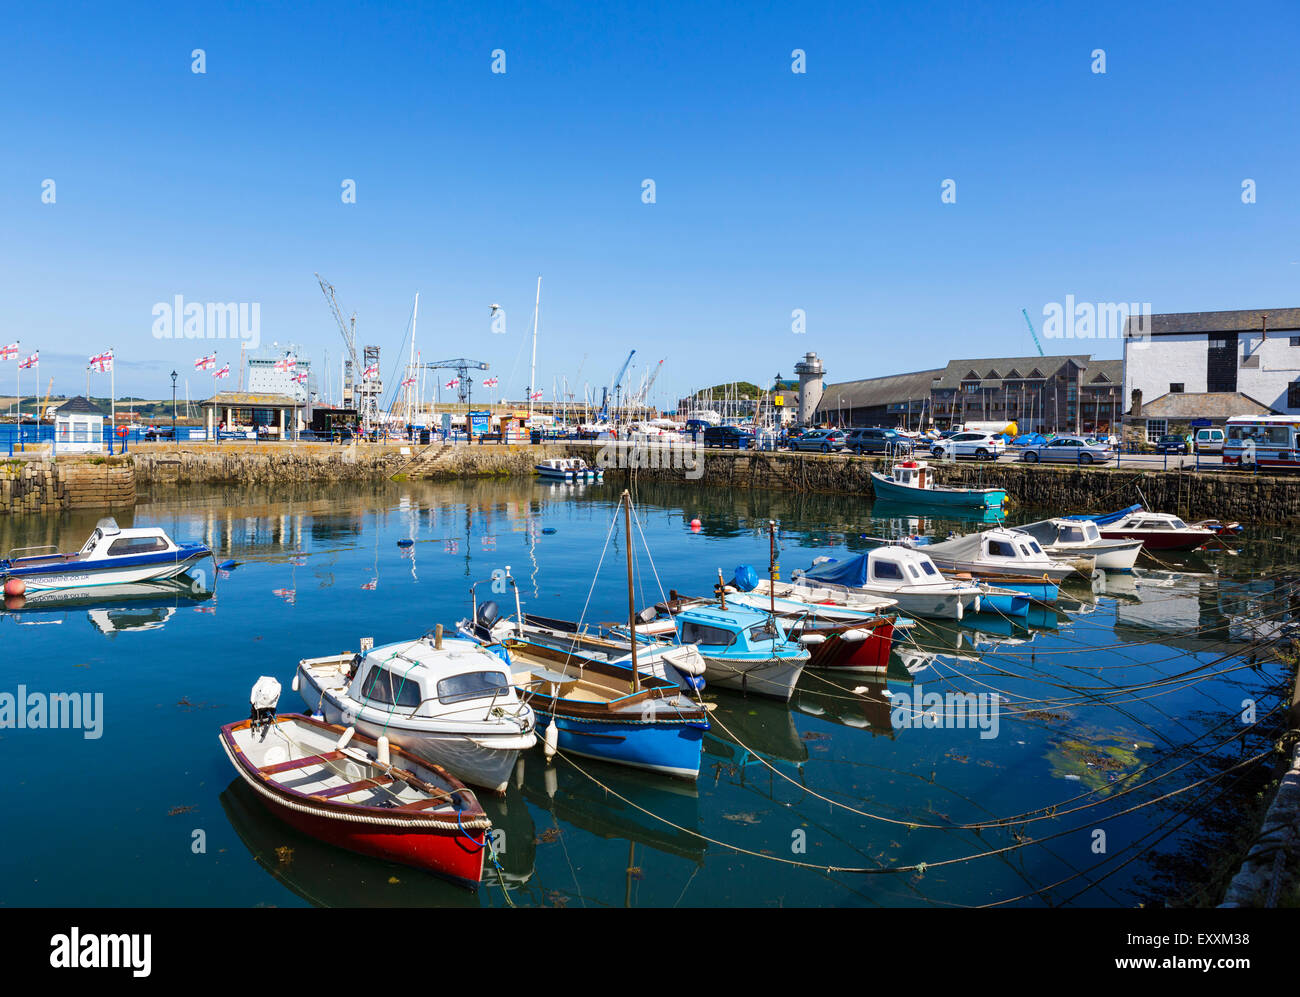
15,586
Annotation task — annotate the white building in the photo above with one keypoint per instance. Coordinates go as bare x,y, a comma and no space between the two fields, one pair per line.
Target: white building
79,427
1210,355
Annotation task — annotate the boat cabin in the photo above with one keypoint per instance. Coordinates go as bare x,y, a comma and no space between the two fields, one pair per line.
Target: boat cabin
733,632
1063,532
912,474
1150,521
418,679
898,566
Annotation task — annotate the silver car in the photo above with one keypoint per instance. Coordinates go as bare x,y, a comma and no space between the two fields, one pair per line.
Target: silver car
1071,449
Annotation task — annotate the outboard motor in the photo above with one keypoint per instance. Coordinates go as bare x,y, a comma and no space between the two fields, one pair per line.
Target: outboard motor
263,700
486,617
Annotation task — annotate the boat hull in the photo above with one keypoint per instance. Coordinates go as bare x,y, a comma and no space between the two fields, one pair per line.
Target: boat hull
89,576
667,748
451,855
1006,604
963,498
771,677
1166,540
860,649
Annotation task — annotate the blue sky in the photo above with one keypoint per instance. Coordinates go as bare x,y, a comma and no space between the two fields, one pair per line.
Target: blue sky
775,191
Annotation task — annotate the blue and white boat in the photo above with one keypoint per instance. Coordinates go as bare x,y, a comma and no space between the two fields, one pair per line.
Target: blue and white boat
743,649
567,469
112,556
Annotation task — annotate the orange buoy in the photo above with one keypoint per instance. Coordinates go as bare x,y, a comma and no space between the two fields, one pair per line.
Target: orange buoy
15,586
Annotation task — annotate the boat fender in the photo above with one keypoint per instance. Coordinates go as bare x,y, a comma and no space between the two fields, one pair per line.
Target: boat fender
548,530
853,636
812,639
551,740
294,683
960,610
227,565
344,738
15,587
406,542
381,750
977,604
694,682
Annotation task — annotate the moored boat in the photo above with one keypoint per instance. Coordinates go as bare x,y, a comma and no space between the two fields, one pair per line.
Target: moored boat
1158,531
1067,540
1003,557
743,649
363,795
913,481
567,469
112,556
449,701
909,577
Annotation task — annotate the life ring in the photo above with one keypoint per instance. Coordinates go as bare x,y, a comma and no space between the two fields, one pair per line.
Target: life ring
122,431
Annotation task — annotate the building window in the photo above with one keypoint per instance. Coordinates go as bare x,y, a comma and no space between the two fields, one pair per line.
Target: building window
971,388
1293,395
1176,387
1295,340
1218,344
1156,428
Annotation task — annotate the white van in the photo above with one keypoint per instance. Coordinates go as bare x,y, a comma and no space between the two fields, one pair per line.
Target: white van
1208,441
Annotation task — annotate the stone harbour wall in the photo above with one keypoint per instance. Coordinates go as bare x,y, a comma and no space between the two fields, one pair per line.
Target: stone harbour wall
42,485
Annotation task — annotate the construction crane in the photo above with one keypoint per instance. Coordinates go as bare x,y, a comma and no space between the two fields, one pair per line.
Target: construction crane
1032,332
370,405
643,393
615,388
462,367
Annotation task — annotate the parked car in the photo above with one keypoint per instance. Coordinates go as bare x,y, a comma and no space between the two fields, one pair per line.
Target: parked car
864,441
981,446
1073,449
1208,441
728,436
1172,443
825,440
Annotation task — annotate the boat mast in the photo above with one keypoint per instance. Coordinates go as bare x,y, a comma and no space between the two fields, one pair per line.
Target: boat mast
532,370
410,368
771,564
631,606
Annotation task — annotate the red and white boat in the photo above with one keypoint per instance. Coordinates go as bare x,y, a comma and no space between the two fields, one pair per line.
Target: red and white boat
345,789
1158,531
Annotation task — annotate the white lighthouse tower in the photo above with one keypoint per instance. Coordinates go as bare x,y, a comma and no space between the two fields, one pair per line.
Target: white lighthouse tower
811,377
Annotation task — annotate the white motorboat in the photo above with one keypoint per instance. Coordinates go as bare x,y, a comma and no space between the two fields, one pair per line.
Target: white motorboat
908,577
112,556
1002,553
1070,539
449,701
568,469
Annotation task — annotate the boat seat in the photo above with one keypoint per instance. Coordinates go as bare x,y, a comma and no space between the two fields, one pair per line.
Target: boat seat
299,763
426,804
355,787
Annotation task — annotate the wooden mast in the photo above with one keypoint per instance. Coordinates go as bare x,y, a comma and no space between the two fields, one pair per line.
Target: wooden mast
626,501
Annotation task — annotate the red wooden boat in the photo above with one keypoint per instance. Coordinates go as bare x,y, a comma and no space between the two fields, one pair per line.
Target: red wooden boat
338,786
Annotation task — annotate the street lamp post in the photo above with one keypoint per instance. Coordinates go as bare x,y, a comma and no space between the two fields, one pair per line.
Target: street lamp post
173,406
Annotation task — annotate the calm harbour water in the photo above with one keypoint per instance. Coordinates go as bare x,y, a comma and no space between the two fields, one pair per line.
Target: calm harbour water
1128,673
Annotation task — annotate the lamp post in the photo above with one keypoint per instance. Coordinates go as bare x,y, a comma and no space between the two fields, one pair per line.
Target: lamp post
173,406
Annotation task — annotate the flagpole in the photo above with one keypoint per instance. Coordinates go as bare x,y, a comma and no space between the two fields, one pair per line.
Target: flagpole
112,397
18,389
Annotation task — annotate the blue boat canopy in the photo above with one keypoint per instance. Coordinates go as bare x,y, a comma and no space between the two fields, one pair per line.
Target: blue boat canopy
852,572
1106,518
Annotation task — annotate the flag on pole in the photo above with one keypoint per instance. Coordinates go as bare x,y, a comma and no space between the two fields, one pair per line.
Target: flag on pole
491,382
102,362
370,372
453,383
286,363
408,382
32,361
206,363
536,396
222,373
300,378
9,352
